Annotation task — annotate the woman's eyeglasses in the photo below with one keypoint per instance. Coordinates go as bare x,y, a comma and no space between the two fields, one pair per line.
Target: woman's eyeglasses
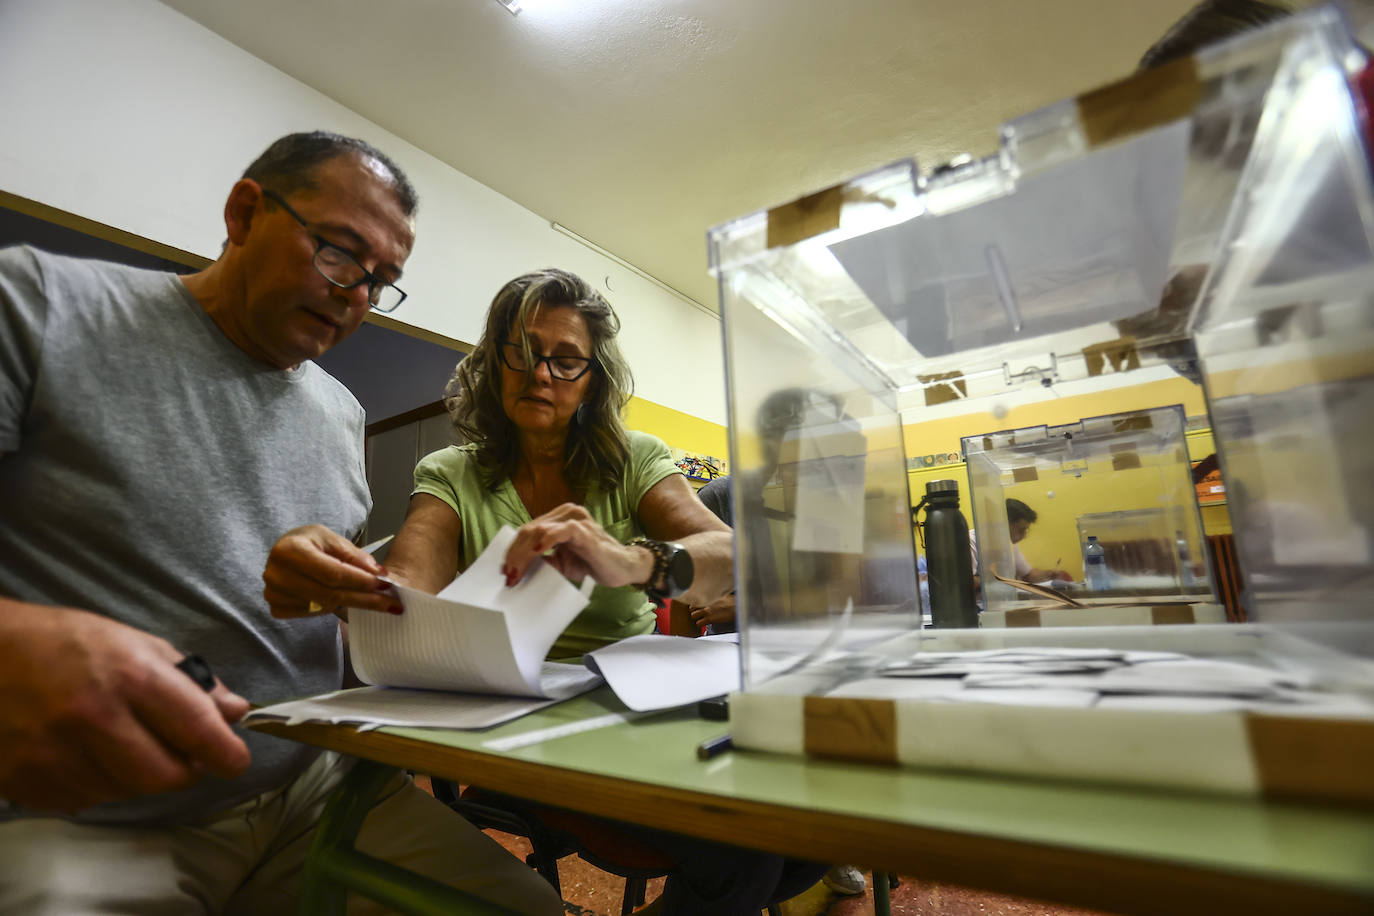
563,368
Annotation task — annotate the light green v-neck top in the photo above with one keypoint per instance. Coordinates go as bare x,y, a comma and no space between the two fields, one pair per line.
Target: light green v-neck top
452,474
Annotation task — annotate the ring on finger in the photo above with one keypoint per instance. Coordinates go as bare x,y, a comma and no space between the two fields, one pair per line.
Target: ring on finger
314,607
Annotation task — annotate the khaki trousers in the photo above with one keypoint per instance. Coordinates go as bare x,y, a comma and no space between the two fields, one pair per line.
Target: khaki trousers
248,860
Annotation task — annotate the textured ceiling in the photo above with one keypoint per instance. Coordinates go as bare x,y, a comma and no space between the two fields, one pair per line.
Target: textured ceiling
640,125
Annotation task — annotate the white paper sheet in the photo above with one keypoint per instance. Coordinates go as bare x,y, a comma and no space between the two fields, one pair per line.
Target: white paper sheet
1189,677
829,487
658,672
897,688
476,636
1063,699
378,706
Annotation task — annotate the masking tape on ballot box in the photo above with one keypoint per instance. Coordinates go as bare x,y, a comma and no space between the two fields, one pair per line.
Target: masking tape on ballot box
1149,99
944,387
805,217
850,728
1125,461
1128,422
1120,354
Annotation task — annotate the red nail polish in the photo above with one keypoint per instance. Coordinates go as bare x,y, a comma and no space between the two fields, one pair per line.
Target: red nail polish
382,587
396,609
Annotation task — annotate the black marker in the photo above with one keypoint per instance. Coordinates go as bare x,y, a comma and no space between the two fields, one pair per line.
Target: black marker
198,670
714,747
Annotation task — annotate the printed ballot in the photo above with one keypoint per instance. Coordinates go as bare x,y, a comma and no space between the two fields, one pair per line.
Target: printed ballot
478,635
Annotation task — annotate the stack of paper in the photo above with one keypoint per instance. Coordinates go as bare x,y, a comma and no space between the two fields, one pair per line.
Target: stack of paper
1102,678
478,635
476,651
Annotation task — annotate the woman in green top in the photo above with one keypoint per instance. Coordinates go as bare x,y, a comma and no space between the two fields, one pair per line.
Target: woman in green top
539,402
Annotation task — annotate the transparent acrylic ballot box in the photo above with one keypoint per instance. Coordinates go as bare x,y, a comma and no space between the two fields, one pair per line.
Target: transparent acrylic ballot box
1124,479
1200,233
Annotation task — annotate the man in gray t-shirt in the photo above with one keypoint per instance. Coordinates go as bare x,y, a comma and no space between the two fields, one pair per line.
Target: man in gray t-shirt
158,434
715,494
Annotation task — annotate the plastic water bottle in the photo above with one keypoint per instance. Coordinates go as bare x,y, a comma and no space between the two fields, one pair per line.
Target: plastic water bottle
1095,565
1185,560
948,563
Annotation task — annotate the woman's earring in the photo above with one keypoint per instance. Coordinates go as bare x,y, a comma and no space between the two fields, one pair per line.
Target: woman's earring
581,416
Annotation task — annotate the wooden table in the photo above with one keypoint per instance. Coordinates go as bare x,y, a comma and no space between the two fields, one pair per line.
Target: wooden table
1121,850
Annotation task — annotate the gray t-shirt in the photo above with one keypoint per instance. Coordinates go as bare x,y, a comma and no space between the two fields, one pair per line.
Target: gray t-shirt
149,465
716,496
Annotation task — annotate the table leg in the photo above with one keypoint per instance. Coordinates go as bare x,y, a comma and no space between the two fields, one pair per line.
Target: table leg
882,894
334,867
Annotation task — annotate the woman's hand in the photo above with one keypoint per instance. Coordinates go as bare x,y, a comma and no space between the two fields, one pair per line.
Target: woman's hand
312,569
572,542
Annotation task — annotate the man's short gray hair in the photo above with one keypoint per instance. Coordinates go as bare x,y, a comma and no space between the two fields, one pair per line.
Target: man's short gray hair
289,164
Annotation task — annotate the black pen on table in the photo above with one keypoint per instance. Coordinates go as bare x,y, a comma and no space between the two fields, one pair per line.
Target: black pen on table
714,747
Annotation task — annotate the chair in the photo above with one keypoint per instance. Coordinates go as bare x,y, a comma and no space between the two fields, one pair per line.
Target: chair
673,618
554,833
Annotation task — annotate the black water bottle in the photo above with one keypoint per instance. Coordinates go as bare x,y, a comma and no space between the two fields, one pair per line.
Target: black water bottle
949,567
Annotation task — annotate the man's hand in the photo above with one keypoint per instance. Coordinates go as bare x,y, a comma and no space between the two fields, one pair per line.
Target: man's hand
312,569
717,613
94,711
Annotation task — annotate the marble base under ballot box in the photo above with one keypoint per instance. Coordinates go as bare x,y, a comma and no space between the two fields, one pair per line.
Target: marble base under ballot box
1237,709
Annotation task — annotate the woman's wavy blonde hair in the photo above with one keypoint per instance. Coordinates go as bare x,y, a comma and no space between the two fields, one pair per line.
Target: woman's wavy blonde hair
598,447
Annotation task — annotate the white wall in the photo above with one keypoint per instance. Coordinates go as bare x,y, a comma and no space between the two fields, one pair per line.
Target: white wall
130,114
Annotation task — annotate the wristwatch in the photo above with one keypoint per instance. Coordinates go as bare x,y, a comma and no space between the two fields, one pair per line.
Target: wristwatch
672,573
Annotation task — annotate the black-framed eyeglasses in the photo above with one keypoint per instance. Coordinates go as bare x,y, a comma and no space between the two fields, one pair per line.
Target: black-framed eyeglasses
340,268
563,368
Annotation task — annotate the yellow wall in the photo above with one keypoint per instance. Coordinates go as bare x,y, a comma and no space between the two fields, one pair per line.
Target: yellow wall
677,429
682,430
1054,537
1048,541
943,435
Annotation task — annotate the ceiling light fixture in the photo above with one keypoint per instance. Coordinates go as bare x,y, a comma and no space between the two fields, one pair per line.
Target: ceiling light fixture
512,5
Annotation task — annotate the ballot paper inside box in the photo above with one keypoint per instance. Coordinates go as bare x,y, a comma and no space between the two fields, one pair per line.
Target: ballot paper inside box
1208,221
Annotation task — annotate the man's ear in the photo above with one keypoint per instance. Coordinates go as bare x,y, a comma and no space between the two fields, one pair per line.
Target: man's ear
240,209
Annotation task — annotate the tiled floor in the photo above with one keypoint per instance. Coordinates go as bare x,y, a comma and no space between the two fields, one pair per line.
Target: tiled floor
588,891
